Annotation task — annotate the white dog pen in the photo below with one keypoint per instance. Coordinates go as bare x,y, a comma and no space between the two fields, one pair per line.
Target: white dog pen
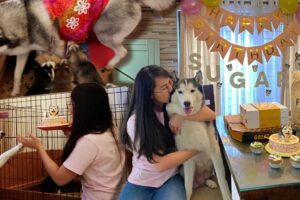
23,176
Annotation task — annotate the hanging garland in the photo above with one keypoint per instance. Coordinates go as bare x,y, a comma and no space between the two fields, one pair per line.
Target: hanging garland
215,43
221,17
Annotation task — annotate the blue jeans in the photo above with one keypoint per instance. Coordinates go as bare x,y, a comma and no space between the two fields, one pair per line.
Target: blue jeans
173,189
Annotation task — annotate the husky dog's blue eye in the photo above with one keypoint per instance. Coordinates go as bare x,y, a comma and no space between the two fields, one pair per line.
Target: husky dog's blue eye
192,91
179,91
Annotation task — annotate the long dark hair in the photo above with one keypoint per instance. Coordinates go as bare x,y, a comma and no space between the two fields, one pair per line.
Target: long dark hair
153,136
91,114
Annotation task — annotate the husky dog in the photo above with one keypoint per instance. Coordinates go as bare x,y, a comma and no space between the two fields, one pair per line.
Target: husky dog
63,80
27,25
187,99
83,71
75,71
48,62
18,37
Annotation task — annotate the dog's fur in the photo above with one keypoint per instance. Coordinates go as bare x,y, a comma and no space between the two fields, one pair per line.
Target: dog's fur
188,99
25,25
48,61
83,71
76,70
297,61
63,81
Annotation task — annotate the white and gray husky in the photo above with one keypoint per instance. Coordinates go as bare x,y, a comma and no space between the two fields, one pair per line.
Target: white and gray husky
187,99
83,71
25,25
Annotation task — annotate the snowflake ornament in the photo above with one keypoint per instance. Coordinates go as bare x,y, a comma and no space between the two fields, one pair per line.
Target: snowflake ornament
82,6
72,22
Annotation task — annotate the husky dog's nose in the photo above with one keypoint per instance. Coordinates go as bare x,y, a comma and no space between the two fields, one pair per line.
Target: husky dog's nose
187,103
4,41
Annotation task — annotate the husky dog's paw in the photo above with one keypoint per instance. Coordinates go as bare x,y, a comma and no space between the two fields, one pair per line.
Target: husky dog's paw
73,47
211,184
64,62
15,92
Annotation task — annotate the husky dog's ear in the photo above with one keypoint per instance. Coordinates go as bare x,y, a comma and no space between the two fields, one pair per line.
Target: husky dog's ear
198,77
174,77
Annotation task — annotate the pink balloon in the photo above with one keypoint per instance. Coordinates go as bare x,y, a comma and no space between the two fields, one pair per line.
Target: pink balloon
298,13
191,7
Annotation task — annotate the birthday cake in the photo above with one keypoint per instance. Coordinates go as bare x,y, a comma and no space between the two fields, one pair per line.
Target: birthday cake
51,119
286,148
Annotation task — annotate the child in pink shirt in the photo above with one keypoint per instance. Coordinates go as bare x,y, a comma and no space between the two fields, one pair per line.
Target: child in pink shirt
146,132
92,150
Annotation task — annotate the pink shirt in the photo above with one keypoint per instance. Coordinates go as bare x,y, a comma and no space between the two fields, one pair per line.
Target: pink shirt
143,172
97,159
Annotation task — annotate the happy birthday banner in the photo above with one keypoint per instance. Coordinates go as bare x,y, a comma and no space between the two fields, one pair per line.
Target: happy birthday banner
215,43
222,17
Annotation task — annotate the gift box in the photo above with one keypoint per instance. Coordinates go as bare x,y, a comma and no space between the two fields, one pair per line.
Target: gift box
238,131
264,115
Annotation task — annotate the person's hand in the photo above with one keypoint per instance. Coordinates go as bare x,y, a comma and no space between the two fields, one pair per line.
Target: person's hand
66,131
30,141
175,123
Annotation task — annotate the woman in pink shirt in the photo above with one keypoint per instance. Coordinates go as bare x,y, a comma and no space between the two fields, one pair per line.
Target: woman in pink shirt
148,134
92,150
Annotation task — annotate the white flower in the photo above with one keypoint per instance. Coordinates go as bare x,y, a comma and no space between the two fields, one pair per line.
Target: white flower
82,6
72,22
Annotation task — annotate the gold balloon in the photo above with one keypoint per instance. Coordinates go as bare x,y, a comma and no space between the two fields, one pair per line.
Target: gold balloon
212,3
288,6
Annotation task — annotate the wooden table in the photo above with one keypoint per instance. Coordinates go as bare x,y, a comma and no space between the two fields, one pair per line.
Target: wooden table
251,176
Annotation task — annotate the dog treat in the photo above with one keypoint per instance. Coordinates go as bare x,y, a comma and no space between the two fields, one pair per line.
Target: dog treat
275,161
295,161
256,147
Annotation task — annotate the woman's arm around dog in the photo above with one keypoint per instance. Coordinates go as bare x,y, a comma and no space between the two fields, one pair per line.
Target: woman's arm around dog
205,114
173,159
59,174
